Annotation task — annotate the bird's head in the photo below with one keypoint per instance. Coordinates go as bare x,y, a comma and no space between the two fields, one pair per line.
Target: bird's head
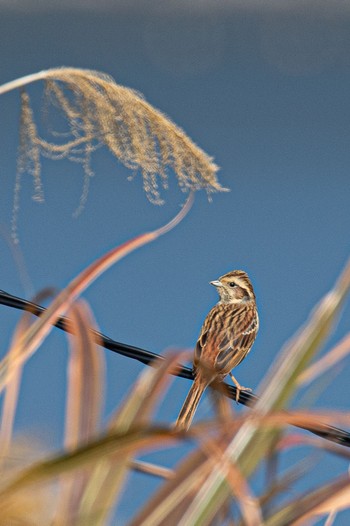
234,287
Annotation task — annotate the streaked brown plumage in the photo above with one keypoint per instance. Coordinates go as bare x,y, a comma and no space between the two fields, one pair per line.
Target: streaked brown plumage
227,335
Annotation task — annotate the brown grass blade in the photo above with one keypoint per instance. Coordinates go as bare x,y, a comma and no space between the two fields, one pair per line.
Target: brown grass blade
168,505
331,518
12,389
9,407
241,492
84,405
86,382
122,444
284,482
171,503
298,440
318,422
146,393
330,498
324,364
151,469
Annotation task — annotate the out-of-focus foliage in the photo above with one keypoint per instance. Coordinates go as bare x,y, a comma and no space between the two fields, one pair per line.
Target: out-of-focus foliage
83,483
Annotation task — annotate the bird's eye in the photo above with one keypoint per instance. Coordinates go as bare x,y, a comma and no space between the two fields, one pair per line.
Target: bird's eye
232,284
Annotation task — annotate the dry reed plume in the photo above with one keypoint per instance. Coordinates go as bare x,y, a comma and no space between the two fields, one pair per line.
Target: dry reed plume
100,112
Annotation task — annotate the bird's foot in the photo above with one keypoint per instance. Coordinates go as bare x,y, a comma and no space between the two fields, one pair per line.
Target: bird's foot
239,387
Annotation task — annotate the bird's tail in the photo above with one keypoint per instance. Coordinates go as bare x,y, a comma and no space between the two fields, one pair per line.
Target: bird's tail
191,403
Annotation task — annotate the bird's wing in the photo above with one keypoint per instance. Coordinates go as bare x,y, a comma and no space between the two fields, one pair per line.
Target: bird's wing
227,335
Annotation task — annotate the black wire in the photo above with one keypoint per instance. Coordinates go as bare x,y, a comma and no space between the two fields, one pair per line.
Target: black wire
246,398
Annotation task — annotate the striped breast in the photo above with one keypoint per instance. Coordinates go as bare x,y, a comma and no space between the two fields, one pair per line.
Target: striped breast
227,336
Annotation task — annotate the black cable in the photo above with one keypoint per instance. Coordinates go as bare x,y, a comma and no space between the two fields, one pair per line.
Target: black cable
246,398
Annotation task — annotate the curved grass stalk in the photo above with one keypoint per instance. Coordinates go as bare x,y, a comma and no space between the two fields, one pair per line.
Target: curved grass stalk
31,338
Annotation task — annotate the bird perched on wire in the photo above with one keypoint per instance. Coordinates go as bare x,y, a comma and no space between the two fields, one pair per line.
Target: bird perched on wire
227,335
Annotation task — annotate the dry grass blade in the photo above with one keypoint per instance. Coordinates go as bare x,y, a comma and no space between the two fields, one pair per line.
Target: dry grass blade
10,400
309,420
121,444
12,389
334,356
284,483
108,478
146,393
331,518
318,422
242,493
84,405
171,503
168,505
85,379
297,440
330,498
32,338
306,419
151,469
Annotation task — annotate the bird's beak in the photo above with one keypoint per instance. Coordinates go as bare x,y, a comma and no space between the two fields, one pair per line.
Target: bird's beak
216,283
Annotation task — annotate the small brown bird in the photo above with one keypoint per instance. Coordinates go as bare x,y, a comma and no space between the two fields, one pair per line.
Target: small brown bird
227,335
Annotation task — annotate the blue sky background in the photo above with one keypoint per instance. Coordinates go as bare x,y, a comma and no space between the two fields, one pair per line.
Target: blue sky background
265,90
